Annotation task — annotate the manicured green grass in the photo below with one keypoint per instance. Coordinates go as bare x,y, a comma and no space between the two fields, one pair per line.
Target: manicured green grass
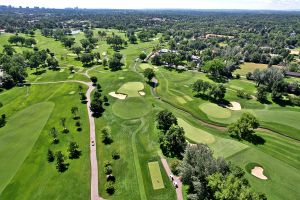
131,89
155,174
249,67
195,134
131,108
35,178
215,111
283,178
17,138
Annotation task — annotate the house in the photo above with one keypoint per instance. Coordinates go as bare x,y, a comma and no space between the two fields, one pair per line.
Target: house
163,51
195,58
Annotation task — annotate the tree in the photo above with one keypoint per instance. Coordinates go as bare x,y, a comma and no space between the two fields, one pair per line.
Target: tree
68,42
74,151
175,167
218,92
244,127
87,58
132,39
61,166
173,142
115,64
115,41
63,124
143,56
94,79
77,50
215,67
109,187
54,134
74,111
261,94
96,107
106,136
50,156
149,73
156,60
29,42
52,63
2,120
165,119
8,50
197,164
86,45
7,81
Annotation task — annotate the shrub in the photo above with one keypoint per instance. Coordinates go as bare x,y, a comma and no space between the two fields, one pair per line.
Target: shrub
109,187
116,155
174,167
108,170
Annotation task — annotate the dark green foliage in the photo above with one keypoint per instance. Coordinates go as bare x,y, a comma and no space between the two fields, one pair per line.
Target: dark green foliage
149,73
106,136
203,88
50,156
115,155
109,187
2,120
94,79
61,166
243,94
175,167
165,119
74,151
142,56
173,142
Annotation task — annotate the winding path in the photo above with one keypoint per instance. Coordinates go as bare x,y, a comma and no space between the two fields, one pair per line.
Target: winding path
93,150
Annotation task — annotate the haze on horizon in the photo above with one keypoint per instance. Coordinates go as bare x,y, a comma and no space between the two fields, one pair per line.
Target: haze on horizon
160,4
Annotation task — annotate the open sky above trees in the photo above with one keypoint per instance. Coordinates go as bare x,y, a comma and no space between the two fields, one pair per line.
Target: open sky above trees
140,4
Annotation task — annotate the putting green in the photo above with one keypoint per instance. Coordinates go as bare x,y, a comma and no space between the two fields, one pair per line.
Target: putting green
131,89
157,181
215,111
195,134
131,108
18,137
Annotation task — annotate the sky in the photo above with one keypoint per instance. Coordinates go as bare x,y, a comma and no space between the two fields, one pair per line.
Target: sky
152,4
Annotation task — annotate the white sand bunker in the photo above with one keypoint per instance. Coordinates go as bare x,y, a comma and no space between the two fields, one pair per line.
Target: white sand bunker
259,173
118,95
142,93
72,92
234,106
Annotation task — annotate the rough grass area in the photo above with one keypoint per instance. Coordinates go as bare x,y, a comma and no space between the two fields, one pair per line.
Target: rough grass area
155,174
215,111
249,67
194,134
18,137
131,89
131,108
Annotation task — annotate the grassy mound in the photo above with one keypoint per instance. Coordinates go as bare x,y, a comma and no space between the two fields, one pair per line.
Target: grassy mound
131,108
131,89
18,137
195,134
215,111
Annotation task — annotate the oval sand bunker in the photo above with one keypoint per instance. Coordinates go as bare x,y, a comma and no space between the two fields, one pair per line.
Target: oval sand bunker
235,106
259,173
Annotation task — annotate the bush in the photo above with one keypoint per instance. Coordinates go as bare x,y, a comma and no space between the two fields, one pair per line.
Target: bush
109,187
174,167
116,155
242,94
249,76
108,170
238,76
107,163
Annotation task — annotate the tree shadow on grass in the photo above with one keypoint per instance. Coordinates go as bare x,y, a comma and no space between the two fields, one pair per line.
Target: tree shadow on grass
40,72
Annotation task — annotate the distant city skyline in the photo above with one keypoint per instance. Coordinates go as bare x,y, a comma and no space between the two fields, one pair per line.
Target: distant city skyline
160,4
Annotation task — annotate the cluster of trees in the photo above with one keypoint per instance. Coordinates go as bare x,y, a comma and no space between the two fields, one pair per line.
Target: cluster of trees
16,39
172,140
211,178
116,42
97,102
14,64
149,74
271,80
145,35
61,165
170,58
213,91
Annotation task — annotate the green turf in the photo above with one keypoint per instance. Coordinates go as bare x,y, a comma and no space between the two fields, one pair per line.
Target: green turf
155,174
215,111
249,67
131,108
17,138
131,89
195,134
